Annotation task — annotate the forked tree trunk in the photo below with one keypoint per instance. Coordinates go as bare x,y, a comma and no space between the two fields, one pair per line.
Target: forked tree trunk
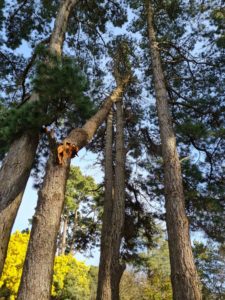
104,291
184,277
17,165
117,268
37,273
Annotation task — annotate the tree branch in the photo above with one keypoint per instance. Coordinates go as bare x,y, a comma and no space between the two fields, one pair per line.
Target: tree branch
151,146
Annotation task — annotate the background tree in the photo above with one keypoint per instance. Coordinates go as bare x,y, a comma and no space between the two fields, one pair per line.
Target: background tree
80,217
157,269
104,274
210,262
183,271
196,72
195,69
137,220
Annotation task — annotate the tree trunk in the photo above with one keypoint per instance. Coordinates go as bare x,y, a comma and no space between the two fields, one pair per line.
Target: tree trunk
38,268
14,174
88,130
104,275
17,165
72,248
59,31
64,235
118,216
6,227
184,277
37,273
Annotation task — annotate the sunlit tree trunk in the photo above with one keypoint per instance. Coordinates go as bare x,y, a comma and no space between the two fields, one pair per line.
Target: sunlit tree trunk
37,273
118,215
184,277
104,275
17,165
64,236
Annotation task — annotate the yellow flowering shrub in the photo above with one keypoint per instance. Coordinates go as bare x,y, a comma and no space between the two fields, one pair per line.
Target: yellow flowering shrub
70,280
12,272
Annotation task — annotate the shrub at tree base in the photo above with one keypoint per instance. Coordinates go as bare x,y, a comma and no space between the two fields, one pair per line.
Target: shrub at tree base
10,280
70,280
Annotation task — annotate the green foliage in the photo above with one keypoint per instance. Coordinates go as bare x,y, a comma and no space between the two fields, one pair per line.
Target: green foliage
151,280
173,8
210,262
218,16
94,16
48,9
14,121
139,229
196,130
132,286
2,3
61,84
61,89
157,267
19,25
81,210
78,188
19,21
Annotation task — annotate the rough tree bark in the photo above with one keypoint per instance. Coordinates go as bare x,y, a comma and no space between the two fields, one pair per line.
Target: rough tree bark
117,268
184,277
17,165
6,227
37,272
104,275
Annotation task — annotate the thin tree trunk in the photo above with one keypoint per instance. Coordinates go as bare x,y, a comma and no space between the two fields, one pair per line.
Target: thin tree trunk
17,165
6,227
64,236
184,277
104,275
118,216
72,248
37,273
